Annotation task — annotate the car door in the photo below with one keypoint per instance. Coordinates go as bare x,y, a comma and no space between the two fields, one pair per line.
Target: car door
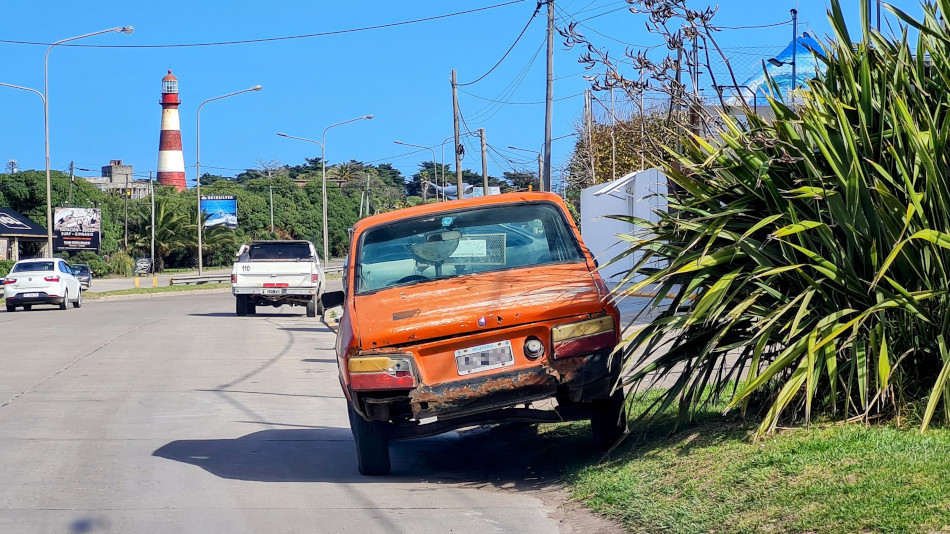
72,284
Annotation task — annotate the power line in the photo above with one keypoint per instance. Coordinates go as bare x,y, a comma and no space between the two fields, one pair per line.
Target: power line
285,38
519,103
510,48
753,27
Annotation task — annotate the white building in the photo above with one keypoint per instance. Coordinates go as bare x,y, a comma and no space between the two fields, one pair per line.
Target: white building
639,194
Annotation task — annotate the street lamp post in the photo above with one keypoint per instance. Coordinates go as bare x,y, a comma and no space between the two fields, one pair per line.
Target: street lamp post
434,169
45,95
198,161
323,162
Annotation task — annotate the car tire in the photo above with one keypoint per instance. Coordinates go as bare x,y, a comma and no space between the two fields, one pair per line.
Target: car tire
65,304
320,309
240,305
312,308
372,444
609,420
78,302
251,308
27,307
11,307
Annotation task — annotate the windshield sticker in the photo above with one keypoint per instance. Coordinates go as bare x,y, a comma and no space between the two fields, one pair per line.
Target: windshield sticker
471,248
447,221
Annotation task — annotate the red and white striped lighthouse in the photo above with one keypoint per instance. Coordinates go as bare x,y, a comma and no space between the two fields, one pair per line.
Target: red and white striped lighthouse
171,160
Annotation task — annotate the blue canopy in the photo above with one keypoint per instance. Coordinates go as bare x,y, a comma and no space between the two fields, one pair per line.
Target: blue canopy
806,52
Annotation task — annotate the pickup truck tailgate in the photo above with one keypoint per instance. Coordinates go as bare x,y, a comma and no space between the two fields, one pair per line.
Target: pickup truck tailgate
273,274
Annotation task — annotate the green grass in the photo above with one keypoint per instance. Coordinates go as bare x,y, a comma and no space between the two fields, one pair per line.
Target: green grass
710,477
150,290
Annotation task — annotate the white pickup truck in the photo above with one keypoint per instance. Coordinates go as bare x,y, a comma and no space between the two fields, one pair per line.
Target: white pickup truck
275,273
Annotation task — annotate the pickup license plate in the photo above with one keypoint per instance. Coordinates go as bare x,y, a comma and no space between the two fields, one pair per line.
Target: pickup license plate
484,357
30,295
273,291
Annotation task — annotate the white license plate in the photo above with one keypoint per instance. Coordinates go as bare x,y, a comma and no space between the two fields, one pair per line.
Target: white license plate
272,291
484,357
30,295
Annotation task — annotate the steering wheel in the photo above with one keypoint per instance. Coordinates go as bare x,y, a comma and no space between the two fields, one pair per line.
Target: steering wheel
411,278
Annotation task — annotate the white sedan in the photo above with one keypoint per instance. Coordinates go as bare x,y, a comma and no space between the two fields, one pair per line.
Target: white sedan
41,281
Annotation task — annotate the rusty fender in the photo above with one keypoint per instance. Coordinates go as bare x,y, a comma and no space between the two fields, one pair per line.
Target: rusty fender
456,394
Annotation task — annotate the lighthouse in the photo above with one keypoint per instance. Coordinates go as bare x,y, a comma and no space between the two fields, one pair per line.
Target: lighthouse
171,160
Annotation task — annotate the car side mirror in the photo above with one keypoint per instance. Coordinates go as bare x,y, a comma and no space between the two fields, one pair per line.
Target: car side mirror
332,299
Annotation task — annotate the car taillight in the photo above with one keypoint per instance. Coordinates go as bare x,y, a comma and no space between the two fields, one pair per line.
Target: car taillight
52,279
583,337
9,280
314,278
233,278
375,372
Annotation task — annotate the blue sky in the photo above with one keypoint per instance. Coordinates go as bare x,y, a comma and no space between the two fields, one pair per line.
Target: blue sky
104,101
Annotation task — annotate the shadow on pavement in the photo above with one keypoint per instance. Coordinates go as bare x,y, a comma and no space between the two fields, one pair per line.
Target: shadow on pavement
513,457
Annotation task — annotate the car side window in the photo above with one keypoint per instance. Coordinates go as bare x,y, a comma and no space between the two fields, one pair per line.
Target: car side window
64,268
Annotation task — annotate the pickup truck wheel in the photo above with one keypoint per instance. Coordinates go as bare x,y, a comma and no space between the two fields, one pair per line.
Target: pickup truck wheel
320,309
240,305
251,308
11,307
372,444
609,420
312,308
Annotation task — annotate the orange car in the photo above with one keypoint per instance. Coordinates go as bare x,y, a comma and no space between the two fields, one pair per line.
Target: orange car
466,312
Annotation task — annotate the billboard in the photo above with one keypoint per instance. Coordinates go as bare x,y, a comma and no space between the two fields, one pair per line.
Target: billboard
220,210
77,228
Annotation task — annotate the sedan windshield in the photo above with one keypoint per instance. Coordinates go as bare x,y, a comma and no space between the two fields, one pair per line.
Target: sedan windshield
79,269
33,266
465,242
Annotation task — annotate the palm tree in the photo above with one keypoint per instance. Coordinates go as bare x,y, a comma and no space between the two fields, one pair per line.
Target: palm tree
173,231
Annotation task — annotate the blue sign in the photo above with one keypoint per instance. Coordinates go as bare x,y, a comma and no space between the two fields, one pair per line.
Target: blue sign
219,210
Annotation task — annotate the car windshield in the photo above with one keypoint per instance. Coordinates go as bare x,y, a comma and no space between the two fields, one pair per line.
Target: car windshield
33,266
465,242
279,251
79,269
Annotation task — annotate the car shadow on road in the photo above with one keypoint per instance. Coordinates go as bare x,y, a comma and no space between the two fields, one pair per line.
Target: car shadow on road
513,457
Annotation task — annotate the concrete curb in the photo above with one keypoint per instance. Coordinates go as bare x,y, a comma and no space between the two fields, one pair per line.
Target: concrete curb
156,295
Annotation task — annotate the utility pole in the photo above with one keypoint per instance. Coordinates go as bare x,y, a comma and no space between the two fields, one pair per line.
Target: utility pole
549,101
481,133
128,193
540,171
72,178
458,154
613,138
589,130
151,187
272,208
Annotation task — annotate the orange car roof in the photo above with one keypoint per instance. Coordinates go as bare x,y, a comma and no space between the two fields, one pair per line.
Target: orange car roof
437,207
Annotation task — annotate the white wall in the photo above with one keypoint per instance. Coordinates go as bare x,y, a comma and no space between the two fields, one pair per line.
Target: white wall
635,194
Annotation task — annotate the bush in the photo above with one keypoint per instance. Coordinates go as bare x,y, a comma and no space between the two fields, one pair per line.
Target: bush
810,255
121,263
5,266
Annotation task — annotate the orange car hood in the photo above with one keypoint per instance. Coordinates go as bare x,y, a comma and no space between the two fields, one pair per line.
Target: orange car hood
457,306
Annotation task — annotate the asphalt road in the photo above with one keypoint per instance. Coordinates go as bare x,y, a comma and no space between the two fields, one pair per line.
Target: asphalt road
170,414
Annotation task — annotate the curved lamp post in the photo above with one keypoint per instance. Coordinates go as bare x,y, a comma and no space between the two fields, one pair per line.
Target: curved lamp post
323,162
198,161
435,170
45,95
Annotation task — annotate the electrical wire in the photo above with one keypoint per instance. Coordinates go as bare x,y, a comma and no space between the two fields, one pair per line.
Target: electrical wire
520,103
510,48
491,110
285,38
789,21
